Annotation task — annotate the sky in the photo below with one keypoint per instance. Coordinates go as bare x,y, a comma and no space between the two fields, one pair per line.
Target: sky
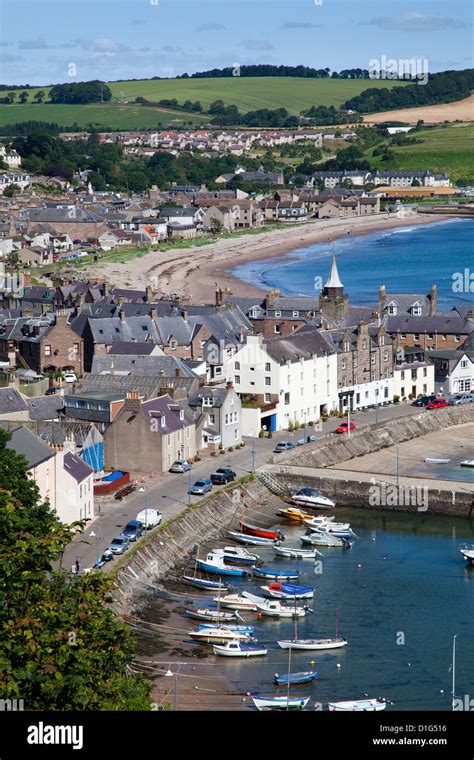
138,39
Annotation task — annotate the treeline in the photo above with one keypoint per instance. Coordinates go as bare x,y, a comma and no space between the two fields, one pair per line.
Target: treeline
188,106
327,115
444,87
230,115
80,92
269,70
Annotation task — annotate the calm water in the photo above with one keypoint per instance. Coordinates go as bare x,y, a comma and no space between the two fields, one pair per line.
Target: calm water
412,581
404,259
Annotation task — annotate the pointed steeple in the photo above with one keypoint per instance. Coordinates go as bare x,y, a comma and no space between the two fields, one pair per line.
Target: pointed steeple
333,279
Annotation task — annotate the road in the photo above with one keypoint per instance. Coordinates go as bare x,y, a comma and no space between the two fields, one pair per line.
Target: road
168,492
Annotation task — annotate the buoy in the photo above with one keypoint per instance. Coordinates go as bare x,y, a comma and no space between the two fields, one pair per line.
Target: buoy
311,662
441,691
338,665
359,565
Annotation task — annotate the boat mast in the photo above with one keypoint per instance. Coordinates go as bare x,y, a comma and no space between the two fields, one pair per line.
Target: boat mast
453,692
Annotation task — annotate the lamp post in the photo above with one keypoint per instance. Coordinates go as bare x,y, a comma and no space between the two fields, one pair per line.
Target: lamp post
304,434
398,466
94,535
169,673
376,404
143,490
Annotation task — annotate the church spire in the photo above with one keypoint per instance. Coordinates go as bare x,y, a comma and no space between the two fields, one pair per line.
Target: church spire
333,279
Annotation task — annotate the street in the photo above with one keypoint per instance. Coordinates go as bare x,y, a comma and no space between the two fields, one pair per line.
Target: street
167,492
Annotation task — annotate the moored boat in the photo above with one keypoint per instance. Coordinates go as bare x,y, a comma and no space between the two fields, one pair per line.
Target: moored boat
236,628
288,591
236,602
217,634
358,705
214,563
205,584
213,616
468,553
277,575
238,649
468,463
322,538
304,677
280,703
293,513
313,644
253,530
238,556
295,553
244,538
310,497
274,608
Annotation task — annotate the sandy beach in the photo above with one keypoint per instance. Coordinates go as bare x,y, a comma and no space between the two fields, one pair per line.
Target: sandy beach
194,272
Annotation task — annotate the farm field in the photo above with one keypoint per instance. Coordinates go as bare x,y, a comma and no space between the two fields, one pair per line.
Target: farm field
444,149
460,110
248,93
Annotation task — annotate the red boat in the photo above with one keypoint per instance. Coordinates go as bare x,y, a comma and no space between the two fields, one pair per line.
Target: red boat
252,530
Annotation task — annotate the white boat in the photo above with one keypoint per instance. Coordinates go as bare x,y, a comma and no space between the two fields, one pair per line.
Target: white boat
468,463
274,608
323,538
236,602
238,555
433,460
237,649
468,553
358,705
313,644
243,538
320,523
288,591
218,634
295,553
309,497
280,703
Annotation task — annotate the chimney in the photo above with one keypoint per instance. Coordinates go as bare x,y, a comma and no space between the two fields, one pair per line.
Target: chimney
185,314
132,402
218,296
122,315
120,300
69,444
105,289
153,314
363,328
434,300
241,334
382,293
148,294
176,372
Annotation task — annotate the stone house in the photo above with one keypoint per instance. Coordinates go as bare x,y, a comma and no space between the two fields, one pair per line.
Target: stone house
221,408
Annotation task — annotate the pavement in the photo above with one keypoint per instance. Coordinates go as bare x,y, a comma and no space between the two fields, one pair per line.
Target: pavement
167,492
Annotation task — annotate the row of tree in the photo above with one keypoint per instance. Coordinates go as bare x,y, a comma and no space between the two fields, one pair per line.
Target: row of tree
269,70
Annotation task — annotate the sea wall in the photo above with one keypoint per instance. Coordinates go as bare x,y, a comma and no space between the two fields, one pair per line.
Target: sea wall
334,449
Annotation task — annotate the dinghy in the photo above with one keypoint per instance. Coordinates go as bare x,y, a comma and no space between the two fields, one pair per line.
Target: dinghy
236,628
217,634
468,553
322,538
214,563
236,602
205,584
295,553
253,530
468,463
433,460
293,513
288,591
274,608
276,575
236,556
243,538
358,705
313,644
280,703
284,680
213,616
309,497
239,649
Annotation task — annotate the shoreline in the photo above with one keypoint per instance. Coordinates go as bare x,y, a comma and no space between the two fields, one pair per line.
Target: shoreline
194,272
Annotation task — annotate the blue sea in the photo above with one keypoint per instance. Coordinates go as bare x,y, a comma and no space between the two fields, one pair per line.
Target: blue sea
404,259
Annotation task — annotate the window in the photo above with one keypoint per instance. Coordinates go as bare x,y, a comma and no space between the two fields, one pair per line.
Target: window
425,372
211,418
385,356
207,401
268,381
464,363
402,390
267,398
417,336
267,366
47,350
181,414
354,361
237,379
218,370
403,336
278,314
457,338
296,313
372,359
416,310
425,388
364,344
430,336
253,313
357,399
237,365
343,365
168,438
173,344
277,329
385,392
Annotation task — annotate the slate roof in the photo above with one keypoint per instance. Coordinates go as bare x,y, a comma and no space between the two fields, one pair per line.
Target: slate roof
11,401
441,323
298,345
218,396
76,467
122,348
45,407
147,386
24,442
55,433
156,408
405,301
165,366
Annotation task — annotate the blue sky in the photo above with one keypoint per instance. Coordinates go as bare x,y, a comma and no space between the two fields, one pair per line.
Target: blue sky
122,39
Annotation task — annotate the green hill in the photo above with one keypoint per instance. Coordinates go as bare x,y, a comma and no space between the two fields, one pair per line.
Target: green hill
247,93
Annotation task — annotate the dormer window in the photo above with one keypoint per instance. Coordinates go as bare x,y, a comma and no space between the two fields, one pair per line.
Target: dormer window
253,313
181,414
416,310
393,308
173,344
207,401
163,420
278,314
296,313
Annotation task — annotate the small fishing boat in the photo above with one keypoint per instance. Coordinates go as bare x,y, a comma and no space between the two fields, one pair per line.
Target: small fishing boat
322,538
433,460
284,680
239,649
309,497
313,644
276,575
295,553
280,703
253,530
205,584
293,513
236,602
468,553
274,608
321,523
358,705
468,463
214,563
288,591
243,538
236,555
237,628
212,615
217,634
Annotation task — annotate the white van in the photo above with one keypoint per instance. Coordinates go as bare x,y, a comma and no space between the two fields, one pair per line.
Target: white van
150,518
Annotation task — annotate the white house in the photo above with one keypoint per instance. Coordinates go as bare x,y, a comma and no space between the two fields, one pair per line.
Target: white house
284,381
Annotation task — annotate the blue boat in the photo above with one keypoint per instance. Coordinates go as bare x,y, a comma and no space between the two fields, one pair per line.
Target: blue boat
304,677
214,563
277,575
237,628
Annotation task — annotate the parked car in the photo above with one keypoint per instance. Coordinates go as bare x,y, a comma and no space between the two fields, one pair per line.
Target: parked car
344,427
69,377
222,476
460,398
181,465
133,530
283,446
201,487
124,491
149,518
119,544
423,400
437,403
